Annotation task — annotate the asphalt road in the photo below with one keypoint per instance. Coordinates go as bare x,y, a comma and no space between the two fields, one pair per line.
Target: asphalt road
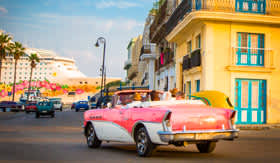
26,139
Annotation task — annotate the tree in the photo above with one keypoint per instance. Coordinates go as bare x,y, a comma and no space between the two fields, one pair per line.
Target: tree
17,50
4,45
33,58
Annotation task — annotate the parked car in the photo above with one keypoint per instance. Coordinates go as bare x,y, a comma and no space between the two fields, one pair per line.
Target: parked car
81,105
45,108
138,116
13,106
216,98
30,107
57,103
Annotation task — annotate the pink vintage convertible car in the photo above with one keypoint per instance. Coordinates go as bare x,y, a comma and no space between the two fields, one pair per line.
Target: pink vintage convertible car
138,116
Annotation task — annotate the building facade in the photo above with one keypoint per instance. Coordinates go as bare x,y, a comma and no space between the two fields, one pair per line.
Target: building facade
231,46
51,67
165,52
134,76
148,55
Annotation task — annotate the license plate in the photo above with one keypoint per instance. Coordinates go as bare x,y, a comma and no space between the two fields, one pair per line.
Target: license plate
44,111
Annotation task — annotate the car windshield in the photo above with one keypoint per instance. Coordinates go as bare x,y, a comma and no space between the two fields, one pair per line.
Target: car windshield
126,98
147,99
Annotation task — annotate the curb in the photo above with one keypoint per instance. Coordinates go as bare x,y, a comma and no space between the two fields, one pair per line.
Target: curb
257,127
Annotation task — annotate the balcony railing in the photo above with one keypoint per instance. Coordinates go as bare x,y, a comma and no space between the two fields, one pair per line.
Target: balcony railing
192,60
268,7
167,59
259,57
158,23
148,49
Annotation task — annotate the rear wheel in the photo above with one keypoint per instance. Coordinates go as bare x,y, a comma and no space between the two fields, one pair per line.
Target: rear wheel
77,110
92,140
144,145
207,147
52,115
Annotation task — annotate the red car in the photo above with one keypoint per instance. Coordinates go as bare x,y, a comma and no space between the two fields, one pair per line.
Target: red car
31,107
140,117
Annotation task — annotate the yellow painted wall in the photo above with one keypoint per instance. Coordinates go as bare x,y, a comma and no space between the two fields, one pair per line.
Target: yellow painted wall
217,40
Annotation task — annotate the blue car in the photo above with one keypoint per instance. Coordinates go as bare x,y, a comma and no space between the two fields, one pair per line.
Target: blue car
81,105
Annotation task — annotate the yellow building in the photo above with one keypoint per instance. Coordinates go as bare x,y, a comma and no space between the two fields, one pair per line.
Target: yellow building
231,46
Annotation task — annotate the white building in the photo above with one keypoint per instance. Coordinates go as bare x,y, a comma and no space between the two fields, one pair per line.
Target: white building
148,56
51,67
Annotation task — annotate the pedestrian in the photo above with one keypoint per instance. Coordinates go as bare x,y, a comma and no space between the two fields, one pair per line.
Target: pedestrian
180,95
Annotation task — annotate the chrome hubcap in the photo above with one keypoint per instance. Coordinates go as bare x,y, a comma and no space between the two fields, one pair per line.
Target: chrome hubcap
90,137
142,142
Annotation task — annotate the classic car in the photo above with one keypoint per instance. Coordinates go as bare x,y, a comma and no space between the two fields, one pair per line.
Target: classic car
57,103
216,98
30,107
81,105
12,106
45,108
146,119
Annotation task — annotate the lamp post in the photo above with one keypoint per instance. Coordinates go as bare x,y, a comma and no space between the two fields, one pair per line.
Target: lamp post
102,40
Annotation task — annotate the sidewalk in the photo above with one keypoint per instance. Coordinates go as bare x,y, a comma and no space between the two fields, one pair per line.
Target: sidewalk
258,127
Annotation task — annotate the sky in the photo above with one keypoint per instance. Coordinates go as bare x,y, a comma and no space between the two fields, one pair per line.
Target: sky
71,27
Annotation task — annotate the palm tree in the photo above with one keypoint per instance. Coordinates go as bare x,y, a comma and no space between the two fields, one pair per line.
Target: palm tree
17,51
33,58
4,45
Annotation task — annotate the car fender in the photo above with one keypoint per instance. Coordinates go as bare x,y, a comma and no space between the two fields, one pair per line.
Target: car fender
152,129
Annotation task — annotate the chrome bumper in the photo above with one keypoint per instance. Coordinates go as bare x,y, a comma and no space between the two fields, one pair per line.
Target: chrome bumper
198,135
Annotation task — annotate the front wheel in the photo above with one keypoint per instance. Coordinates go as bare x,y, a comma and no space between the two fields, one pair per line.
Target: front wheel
207,147
144,145
92,140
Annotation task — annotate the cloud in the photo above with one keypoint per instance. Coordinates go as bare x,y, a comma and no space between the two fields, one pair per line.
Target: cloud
3,10
75,36
118,4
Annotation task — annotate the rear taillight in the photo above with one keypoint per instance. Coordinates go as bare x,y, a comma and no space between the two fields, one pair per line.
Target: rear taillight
232,119
166,122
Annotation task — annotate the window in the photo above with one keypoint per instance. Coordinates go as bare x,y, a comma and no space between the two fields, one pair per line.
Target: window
251,6
189,88
189,47
197,85
197,4
198,42
250,51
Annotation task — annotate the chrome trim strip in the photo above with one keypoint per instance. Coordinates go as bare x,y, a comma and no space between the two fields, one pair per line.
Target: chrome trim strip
195,132
163,120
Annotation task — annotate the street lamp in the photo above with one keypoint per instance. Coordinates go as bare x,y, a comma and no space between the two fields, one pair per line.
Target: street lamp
102,40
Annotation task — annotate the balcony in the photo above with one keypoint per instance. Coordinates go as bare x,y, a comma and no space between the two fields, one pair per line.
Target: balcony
192,60
132,72
127,64
268,7
259,57
148,51
157,29
251,59
168,58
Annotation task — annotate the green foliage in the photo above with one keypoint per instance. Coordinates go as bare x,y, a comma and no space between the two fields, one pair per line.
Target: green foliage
115,83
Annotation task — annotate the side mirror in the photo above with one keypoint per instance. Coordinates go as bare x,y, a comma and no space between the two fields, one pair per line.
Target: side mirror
109,104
